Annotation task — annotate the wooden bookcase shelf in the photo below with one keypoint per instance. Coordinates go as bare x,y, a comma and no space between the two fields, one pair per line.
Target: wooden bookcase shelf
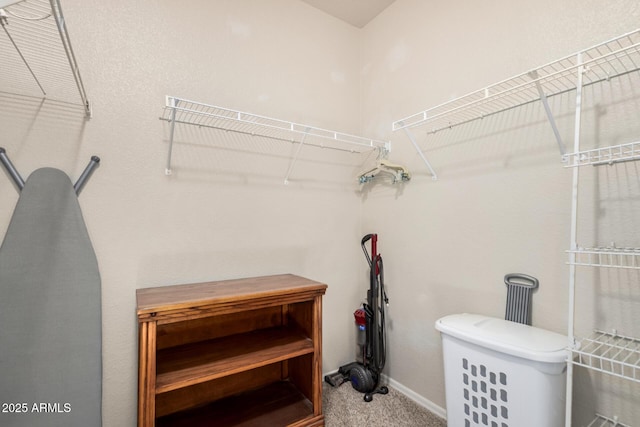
195,363
276,404
240,352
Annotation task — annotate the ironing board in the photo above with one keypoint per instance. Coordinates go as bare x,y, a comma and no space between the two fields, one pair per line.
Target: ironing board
50,310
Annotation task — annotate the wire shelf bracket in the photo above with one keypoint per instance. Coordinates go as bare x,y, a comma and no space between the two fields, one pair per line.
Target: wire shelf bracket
603,62
420,153
547,109
182,111
295,157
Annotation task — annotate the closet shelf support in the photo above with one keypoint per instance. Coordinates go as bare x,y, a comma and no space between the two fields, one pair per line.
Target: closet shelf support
295,156
71,57
573,242
545,103
424,159
173,105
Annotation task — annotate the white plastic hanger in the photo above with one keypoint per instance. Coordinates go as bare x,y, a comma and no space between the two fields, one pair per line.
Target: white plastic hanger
398,172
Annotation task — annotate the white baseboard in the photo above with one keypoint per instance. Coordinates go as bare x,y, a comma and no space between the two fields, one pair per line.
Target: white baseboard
420,400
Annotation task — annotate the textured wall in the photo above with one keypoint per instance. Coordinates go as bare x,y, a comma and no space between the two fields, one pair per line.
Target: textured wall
501,205
225,212
502,201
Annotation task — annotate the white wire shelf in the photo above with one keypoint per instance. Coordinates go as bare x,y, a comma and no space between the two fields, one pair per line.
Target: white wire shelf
606,257
602,421
604,156
182,111
203,115
610,353
613,58
37,57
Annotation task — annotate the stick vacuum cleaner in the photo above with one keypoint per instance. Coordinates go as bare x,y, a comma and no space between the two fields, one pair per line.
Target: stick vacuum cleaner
364,373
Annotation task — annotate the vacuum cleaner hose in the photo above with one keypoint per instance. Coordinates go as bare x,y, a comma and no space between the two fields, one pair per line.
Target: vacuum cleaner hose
381,353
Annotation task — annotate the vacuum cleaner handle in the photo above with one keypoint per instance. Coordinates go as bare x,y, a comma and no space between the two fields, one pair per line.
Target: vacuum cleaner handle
374,241
366,238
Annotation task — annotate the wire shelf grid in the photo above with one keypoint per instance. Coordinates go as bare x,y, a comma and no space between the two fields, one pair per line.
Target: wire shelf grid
610,353
602,421
604,156
601,62
203,115
38,60
628,258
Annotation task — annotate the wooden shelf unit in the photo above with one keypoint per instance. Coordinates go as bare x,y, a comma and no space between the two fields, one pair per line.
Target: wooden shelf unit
245,351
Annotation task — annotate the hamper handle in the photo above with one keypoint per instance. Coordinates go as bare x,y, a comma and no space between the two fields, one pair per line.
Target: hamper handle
520,279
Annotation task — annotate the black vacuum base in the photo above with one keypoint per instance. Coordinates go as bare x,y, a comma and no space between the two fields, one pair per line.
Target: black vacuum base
362,379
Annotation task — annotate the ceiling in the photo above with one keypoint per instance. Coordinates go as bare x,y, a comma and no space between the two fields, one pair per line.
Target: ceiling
355,12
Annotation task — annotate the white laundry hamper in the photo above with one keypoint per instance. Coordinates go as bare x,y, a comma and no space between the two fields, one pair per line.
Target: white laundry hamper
500,373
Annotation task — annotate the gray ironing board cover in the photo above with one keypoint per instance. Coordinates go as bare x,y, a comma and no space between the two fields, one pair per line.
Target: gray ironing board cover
50,311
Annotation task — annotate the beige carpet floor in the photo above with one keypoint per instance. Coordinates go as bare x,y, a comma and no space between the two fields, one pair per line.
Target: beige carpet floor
343,406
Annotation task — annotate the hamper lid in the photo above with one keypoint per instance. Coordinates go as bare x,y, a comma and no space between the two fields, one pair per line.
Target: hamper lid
505,336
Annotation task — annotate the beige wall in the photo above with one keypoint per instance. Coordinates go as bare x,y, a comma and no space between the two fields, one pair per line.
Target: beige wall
225,212
502,201
501,205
